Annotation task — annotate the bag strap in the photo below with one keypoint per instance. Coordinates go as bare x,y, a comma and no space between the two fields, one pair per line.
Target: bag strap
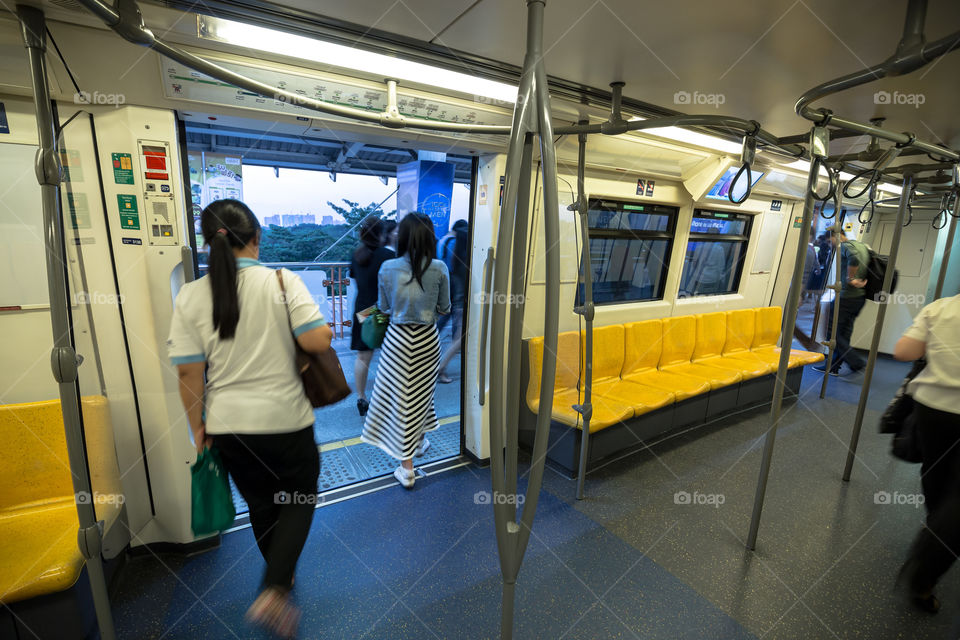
286,303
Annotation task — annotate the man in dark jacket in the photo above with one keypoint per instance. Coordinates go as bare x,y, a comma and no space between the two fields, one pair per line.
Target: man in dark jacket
854,258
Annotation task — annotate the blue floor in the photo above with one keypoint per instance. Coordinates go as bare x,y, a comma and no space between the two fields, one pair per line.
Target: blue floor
629,561
426,566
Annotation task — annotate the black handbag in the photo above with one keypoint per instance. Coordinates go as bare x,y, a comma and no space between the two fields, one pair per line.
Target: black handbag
321,373
900,420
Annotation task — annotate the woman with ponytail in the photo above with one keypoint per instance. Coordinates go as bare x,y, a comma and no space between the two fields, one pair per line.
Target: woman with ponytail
414,289
364,268
232,344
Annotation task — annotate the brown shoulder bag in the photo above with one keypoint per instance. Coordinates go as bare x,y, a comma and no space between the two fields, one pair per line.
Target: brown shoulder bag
321,373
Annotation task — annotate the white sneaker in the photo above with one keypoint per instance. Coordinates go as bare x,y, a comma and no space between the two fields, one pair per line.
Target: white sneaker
404,477
422,449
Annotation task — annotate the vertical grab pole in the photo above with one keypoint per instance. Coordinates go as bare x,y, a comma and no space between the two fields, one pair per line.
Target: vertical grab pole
951,234
63,358
503,426
551,314
586,309
878,326
836,287
789,323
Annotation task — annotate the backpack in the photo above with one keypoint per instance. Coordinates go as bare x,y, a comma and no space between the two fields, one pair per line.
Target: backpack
876,271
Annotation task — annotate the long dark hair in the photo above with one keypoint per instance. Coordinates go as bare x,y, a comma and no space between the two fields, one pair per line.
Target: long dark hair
226,225
417,240
387,227
371,231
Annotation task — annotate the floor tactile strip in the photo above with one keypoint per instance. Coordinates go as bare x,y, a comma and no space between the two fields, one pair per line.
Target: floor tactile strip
337,468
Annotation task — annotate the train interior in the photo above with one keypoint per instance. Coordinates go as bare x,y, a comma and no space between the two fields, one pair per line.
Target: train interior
640,252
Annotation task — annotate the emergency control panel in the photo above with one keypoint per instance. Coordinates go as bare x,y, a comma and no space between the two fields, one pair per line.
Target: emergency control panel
159,208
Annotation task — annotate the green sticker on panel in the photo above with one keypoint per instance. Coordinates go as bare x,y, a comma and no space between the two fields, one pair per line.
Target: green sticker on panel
129,214
72,169
122,168
798,222
79,211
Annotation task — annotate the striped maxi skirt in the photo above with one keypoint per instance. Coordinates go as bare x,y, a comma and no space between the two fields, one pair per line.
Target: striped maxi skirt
401,407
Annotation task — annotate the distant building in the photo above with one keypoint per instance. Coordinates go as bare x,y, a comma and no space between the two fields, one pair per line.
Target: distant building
275,220
290,220
327,220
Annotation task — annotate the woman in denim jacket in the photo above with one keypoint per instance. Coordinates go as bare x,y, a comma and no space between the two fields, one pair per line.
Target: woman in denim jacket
414,289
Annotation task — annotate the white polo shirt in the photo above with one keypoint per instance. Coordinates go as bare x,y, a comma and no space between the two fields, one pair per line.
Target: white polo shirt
252,385
938,325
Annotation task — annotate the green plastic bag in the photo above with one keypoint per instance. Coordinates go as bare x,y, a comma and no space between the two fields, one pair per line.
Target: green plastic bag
373,329
213,509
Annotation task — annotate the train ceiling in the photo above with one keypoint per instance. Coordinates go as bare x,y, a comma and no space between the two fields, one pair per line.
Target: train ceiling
760,57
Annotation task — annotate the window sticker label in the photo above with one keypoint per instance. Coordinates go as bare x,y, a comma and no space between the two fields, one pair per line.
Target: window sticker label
129,214
4,125
776,205
641,185
122,168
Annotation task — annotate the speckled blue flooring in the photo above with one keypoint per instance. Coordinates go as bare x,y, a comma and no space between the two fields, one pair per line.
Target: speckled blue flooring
627,562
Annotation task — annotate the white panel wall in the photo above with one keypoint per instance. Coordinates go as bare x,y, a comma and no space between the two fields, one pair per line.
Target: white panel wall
755,290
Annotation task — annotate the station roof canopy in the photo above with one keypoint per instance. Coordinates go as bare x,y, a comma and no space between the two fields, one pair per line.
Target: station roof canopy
289,150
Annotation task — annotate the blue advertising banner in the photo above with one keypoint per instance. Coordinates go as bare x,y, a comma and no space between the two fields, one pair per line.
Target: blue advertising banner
426,186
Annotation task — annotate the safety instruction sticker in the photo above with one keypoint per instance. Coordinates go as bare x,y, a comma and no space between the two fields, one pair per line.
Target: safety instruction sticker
79,211
4,125
641,184
122,168
776,205
483,194
798,222
129,214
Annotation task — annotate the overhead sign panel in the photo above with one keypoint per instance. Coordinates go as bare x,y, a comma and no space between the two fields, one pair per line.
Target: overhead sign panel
183,83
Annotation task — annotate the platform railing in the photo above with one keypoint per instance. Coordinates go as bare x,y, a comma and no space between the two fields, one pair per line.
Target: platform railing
333,290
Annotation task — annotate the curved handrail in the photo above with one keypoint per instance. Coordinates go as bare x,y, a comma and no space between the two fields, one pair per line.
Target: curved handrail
736,179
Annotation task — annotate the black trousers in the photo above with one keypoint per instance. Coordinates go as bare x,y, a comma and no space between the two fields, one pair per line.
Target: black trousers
938,543
277,475
849,309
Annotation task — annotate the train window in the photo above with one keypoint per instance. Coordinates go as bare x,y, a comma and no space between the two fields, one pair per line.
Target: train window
715,253
629,250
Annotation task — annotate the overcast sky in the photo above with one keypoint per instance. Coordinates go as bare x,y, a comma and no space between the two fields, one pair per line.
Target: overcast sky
302,191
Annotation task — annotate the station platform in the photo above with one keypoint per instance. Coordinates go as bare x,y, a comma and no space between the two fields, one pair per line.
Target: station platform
630,561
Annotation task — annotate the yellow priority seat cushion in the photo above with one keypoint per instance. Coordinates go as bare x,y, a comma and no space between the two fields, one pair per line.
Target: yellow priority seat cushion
717,376
606,411
38,550
683,387
798,358
642,398
750,365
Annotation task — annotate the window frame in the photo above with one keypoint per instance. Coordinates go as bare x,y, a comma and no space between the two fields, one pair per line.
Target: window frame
595,203
726,238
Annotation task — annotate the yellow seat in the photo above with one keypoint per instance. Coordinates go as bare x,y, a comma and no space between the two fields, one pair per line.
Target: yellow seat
608,353
642,352
679,341
736,346
766,335
38,513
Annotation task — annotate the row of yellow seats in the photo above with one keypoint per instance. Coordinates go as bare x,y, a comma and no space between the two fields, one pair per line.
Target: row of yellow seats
642,366
38,512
